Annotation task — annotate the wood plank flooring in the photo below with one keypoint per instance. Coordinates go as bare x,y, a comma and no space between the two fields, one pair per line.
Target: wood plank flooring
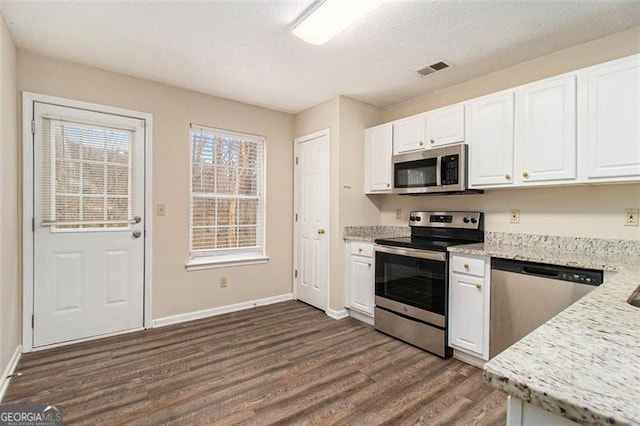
286,363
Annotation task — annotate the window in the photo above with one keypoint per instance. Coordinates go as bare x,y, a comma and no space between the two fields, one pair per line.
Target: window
227,196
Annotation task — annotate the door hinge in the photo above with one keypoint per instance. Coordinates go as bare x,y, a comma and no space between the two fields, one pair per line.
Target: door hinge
33,127
295,275
33,224
33,321
296,161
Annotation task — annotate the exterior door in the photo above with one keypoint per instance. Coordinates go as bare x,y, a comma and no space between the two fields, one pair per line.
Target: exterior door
88,229
312,219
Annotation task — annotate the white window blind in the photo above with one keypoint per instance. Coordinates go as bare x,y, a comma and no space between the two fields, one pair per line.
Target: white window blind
86,176
227,199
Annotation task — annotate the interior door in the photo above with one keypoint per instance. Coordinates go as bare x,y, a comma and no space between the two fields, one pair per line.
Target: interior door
88,229
312,219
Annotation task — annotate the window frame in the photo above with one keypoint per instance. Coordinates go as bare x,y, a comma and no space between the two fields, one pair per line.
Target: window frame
216,258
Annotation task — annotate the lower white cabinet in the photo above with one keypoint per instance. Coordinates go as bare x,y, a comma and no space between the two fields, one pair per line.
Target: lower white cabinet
469,303
360,277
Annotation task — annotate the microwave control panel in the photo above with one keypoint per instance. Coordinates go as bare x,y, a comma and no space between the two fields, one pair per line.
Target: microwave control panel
449,172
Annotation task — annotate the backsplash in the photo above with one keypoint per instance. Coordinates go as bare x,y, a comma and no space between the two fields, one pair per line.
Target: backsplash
569,244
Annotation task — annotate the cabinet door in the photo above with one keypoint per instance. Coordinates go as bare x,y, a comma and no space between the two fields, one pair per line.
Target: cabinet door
409,134
362,284
491,139
377,159
547,143
466,315
445,125
613,119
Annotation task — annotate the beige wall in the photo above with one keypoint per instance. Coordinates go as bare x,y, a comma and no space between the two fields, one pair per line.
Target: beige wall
347,120
588,211
176,291
9,219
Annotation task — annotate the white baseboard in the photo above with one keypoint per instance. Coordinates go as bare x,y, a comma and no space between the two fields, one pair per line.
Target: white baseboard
361,317
342,313
468,358
176,319
11,368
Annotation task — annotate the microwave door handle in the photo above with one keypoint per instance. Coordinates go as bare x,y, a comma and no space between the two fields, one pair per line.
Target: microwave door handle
439,170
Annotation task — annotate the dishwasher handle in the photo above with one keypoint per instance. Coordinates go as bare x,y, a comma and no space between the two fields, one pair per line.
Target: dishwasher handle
542,272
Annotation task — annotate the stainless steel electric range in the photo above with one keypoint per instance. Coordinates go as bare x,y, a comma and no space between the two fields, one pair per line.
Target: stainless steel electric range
412,279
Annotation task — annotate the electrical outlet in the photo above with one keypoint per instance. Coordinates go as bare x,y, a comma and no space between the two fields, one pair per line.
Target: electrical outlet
398,214
160,209
630,217
223,282
514,216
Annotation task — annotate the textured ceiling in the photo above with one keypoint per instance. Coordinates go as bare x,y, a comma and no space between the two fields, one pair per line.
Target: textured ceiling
244,50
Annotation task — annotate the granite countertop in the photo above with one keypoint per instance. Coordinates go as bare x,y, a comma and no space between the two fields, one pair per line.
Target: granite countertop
370,233
584,363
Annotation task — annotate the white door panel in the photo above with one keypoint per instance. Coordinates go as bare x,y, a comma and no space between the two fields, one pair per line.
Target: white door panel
312,226
88,264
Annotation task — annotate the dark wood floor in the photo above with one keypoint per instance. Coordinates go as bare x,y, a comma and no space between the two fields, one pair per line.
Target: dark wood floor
286,363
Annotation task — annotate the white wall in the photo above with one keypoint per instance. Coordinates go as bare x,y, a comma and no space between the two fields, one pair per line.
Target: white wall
587,211
176,291
9,214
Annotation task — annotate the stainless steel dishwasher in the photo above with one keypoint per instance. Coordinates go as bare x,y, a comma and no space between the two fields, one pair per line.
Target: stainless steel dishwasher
525,295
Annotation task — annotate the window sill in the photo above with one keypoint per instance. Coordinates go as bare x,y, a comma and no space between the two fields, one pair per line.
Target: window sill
212,263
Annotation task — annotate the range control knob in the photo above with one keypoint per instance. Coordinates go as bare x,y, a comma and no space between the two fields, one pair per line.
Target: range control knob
412,218
474,220
465,220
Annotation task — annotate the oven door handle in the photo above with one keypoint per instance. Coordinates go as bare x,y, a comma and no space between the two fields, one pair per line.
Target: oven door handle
422,254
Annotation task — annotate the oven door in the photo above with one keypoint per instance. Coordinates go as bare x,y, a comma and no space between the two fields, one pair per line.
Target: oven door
412,283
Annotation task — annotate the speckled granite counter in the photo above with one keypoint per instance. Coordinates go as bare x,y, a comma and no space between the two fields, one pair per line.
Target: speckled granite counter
583,364
370,233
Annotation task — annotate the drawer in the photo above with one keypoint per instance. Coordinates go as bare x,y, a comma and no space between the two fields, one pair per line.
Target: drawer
362,249
468,265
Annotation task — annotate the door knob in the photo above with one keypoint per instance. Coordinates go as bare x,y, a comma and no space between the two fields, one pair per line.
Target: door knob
320,231
137,233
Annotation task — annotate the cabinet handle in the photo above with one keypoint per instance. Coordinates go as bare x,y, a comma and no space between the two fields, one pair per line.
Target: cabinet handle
369,265
433,141
466,265
478,286
420,143
507,176
525,174
388,185
359,250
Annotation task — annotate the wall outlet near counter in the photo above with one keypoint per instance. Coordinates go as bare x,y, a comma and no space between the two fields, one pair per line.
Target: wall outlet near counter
514,216
160,209
398,214
630,217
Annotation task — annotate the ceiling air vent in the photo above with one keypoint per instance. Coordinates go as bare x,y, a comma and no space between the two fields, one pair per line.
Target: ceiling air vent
430,69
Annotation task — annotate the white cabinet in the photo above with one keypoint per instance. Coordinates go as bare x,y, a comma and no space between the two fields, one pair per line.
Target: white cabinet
546,142
469,291
613,120
490,136
360,278
409,134
445,125
377,159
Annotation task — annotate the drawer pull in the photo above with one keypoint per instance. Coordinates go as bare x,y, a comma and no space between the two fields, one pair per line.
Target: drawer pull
507,176
360,250
525,174
466,265
369,265
420,143
478,286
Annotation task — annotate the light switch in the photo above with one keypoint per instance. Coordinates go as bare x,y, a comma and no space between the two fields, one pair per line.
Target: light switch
160,209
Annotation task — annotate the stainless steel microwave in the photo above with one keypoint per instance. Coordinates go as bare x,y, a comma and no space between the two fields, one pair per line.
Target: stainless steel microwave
435,170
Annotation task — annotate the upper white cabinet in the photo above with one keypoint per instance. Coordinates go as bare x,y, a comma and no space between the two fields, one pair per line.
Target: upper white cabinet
491,137
613,120
445,125
546,143
409,134
377,159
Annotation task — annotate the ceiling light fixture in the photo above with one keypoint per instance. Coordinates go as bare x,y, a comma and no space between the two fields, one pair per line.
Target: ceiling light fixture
327,18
